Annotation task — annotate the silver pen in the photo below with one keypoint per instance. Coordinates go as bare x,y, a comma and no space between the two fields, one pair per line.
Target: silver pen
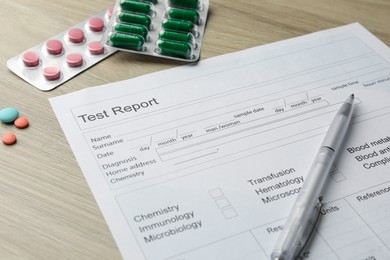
305,212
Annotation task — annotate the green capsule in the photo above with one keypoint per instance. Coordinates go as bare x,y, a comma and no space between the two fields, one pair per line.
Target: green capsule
150,1
127,41
134,6
184,3
176,36
141,19
132,28
176,49
176,25
184,14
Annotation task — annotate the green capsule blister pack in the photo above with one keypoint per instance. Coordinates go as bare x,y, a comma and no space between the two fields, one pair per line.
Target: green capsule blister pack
172,29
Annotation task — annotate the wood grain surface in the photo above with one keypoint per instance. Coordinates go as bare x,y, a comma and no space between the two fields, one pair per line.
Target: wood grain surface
47,210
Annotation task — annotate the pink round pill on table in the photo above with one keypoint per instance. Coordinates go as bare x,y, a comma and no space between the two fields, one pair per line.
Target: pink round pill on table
76,35
51,72
74,60
54,47
30,59
96,24
95,48
21,122
8,138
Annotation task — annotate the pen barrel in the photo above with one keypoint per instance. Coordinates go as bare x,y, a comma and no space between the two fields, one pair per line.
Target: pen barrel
338,127
303,214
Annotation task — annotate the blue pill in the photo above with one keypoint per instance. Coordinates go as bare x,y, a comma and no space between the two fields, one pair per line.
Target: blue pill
8,115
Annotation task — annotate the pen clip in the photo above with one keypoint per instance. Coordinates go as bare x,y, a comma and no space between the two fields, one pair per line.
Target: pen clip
308,234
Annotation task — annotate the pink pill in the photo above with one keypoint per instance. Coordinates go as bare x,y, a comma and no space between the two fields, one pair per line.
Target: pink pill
96,24
30,59
51,72
21,122
9,138
95,48
109,12
54,47
74,60
75,35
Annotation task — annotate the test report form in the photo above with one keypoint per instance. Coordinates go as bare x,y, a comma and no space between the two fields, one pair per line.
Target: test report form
204,161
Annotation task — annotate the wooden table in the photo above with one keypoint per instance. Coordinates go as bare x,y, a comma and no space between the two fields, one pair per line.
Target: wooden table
47,210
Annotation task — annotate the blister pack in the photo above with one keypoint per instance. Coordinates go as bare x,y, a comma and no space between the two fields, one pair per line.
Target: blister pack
171,29
53,62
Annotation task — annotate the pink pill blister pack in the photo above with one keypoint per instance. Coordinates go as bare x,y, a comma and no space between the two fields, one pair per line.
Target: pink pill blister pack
53,62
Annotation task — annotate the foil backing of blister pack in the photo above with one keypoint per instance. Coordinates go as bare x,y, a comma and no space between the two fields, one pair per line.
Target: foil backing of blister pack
172,29
48,64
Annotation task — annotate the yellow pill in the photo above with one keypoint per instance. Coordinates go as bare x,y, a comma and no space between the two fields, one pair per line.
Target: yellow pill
9,138
21,122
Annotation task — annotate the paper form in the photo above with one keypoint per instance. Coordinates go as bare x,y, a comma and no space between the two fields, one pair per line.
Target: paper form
204,161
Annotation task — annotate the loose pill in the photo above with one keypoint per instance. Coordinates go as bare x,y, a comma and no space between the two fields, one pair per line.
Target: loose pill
184,14
177,25
30,59
141,19
74,60
96,24
8,114
95,48
176,36
184,3
9,138
21,122
176,49
75,35
132,28
134,6
51,72
128,41
54,47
